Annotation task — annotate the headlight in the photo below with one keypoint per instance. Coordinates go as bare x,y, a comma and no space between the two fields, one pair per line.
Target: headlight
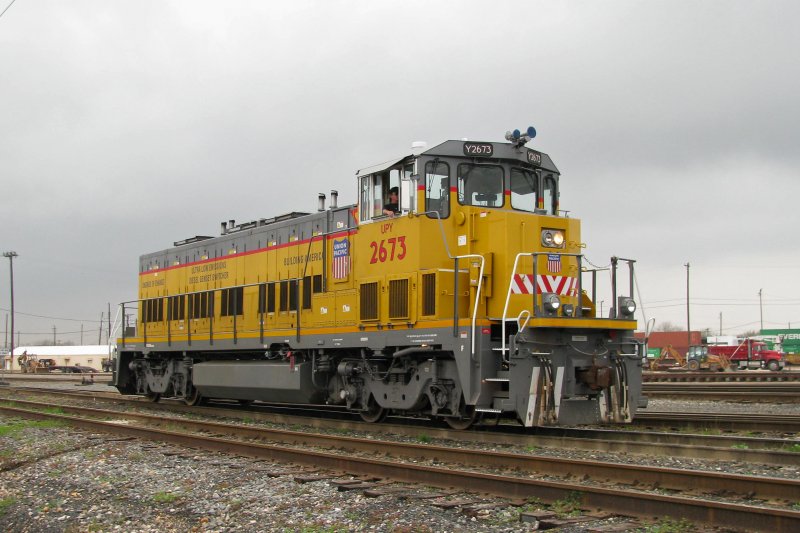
567,310
626,306
552,238
551,302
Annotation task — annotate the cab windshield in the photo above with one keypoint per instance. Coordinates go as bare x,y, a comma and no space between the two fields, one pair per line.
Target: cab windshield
480,185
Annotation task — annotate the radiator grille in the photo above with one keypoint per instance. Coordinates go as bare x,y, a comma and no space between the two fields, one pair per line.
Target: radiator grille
369,301
429,294
398,298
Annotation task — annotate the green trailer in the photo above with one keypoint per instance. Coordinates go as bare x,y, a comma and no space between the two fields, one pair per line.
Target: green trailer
788,340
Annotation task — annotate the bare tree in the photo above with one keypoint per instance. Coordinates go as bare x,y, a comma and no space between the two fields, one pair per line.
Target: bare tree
667,326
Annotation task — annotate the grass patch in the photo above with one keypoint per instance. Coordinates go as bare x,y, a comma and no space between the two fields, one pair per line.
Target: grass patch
425,439
16,426
794,448
740,446
165,497
6,503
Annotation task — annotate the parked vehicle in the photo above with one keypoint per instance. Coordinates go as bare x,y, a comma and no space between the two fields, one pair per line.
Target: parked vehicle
702,358
751,354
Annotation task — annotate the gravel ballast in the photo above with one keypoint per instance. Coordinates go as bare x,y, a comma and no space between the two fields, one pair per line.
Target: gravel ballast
56,478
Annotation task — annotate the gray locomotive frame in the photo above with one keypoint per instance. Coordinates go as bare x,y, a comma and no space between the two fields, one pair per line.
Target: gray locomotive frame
545,376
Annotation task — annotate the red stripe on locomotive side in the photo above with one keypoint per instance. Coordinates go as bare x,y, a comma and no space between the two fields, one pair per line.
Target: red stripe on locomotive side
250,252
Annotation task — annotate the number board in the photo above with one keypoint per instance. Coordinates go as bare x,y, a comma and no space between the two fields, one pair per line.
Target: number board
534,157
479,149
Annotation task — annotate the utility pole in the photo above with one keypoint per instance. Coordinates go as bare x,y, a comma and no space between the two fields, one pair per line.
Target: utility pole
54,335
11,256
688,323
720,324
108,337
761,308
100,335
81,334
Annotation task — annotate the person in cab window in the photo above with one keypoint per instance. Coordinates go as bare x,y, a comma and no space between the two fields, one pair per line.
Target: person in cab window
392,208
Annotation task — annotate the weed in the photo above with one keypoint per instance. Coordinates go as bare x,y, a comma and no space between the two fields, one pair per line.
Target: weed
569,506
794,448
740,446
425,439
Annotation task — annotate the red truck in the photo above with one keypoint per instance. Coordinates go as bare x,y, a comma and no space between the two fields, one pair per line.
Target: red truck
750,354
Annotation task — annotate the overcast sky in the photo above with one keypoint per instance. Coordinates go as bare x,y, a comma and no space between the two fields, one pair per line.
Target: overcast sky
125,126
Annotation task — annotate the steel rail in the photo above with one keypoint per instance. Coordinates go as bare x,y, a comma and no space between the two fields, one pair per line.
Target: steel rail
655,477
729,421
627,502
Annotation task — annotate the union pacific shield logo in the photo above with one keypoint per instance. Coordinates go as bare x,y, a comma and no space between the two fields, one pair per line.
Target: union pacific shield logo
554,263
341,258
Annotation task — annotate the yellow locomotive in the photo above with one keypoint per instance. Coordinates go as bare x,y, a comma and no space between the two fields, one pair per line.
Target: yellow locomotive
462,297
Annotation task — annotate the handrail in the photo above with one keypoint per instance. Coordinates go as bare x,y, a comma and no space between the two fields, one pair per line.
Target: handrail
535,288
455,276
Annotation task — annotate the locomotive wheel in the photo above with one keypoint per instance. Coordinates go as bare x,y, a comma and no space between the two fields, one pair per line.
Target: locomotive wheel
194,398
245,403
467,418
374,412
152,396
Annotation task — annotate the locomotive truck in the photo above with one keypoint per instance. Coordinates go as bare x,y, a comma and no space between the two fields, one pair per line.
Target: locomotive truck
473,301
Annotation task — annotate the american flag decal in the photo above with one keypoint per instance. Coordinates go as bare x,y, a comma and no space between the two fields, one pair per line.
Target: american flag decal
341,258
554,263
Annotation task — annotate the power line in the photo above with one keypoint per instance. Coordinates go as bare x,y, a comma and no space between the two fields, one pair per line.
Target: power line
6,9
59,333
52,317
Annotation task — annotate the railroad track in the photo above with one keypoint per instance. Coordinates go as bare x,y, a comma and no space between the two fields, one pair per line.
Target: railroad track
740,376
659,439
769,391
600,485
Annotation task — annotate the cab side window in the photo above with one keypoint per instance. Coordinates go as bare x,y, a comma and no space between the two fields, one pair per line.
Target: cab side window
550,194
373,189
437,188
524,188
